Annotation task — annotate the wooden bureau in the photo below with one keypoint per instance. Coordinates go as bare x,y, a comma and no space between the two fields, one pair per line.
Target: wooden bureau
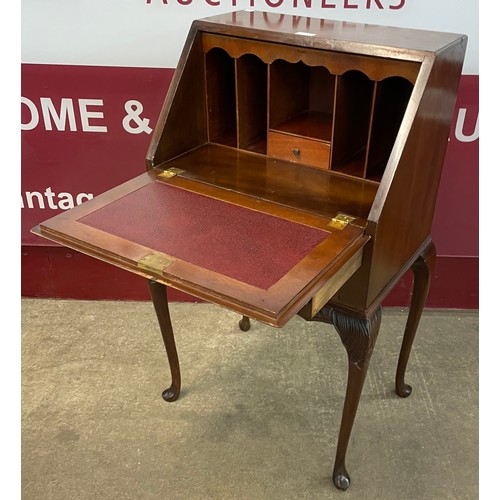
294,169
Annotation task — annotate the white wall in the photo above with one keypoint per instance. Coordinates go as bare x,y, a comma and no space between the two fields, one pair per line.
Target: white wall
150,33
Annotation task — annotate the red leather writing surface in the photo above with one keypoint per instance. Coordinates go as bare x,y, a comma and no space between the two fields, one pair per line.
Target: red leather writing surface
240,243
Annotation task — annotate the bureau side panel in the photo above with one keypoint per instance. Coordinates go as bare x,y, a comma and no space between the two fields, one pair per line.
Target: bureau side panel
402,213
404,220
182,124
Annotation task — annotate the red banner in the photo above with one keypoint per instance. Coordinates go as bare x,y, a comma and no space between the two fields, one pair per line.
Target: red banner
86,129
456,221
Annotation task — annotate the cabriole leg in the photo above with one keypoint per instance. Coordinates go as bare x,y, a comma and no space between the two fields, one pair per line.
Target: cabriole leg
358,336
422,271
158,293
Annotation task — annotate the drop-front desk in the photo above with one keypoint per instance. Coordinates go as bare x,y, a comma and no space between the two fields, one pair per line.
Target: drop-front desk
293,170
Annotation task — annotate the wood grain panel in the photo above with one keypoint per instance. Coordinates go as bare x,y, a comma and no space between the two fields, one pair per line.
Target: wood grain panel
336,62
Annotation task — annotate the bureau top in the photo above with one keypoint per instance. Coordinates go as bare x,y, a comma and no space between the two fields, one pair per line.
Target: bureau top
327,34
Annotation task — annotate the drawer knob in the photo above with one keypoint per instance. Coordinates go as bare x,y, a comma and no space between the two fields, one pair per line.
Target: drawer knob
296,151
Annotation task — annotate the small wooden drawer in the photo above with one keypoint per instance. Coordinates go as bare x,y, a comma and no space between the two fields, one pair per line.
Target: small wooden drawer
299,150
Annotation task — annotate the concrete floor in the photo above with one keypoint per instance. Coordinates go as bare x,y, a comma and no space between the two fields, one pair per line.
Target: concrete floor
258,414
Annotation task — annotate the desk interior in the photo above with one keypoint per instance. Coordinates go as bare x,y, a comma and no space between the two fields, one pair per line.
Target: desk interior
324,193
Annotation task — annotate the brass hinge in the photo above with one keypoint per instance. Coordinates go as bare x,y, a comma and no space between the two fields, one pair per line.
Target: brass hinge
155,262
170,172
340,221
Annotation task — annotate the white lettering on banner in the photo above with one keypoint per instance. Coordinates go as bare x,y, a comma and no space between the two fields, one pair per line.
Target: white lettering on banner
35,199
132,122
134,110
65,115
85,115
33,112
66,111
459,127
323,4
